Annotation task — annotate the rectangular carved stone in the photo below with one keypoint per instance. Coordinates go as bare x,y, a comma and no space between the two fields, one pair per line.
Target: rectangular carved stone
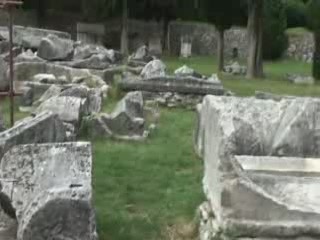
188,85
52,192
262,167
45,127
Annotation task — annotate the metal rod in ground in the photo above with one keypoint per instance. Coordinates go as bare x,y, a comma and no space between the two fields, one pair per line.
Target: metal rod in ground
11,91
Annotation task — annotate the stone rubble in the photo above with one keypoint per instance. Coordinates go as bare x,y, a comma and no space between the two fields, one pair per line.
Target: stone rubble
300,80
126,122
235,69
155,68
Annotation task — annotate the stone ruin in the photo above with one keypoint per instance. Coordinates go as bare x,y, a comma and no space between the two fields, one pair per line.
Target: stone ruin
130,120
42,192
185,87
235,68
261,168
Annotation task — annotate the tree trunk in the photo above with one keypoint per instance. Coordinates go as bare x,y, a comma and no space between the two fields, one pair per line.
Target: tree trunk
124,31
255,34
316,56
220,50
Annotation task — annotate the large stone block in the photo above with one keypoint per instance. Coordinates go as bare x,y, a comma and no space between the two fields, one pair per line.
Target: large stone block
24,71
29,37
43,128
258,178
52,190
69,109
187,85
54,48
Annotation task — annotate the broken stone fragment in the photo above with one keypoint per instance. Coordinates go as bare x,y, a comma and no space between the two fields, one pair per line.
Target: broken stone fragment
53,48
28,56
186,71
44,127
69,109
53,91
300,80
51,190
125,122
155,68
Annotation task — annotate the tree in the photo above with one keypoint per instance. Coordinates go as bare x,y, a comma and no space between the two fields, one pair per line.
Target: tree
275,40
124,29
215,12
313,15
255,35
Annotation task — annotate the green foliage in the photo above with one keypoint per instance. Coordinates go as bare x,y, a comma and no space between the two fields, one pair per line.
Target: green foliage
296,13
313,14
225,13
275,41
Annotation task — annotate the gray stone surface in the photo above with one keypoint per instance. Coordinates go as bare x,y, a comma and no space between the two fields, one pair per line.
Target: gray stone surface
185,85
4,83
55,48
142,54
50,190
44,128
86,51
53,91
29,37
235,69
155,68
93,97
69,109
28,56
44,78
26,70
96,61
301,46
186,71
300,80
259,179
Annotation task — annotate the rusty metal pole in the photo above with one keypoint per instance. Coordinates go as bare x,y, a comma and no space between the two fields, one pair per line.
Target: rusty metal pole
11,91
9,6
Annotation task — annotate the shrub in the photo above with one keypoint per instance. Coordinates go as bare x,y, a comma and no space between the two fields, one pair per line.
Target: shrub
275,41
296,13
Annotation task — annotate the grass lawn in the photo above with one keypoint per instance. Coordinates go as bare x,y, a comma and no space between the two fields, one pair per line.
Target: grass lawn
274,82
150,190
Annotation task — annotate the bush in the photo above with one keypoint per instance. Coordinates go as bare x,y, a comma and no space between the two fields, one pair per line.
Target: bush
275,41
296,13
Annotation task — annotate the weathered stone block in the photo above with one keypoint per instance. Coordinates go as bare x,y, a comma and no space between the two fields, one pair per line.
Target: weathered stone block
52,192
43,128
55,48
258,179
187,85
69,109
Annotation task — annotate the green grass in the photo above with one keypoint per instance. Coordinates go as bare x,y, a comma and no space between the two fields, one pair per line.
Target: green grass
5,109
143,188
